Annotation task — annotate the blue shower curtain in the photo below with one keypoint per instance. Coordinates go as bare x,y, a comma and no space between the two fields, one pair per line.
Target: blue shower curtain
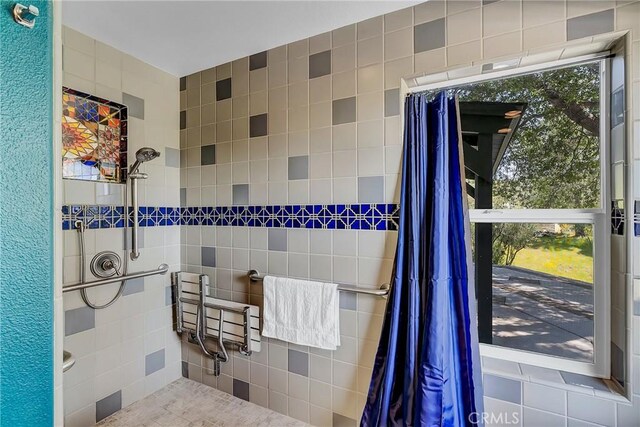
427,370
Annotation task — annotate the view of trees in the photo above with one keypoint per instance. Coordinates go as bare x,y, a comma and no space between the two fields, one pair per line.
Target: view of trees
552,161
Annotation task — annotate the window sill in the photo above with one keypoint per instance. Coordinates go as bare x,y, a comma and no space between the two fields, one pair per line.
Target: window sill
598,387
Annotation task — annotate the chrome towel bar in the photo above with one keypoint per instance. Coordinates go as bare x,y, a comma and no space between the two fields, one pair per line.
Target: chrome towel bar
162,269
383,291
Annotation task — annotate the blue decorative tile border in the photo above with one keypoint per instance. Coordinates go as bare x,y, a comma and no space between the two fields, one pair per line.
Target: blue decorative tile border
363,216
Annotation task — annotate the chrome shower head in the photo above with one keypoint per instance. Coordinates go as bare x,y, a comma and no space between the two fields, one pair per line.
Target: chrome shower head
143,155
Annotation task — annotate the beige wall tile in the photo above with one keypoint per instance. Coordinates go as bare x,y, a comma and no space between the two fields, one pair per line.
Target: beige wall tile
429,11
277,74
454,7
370,28
344,137
465,26
299,94
298,49
278,98
277,121
257,103
258,80
544,35
501,17
578,8
298,119
396,70
538,12
463,53
320,140
504,44
430,61
320,89
343,58
398,44
370,134
298,69
275,55
319,115
344,35
223,71
239,106
320,43
369,78
400,19
369,51
627,19
370,106
344,84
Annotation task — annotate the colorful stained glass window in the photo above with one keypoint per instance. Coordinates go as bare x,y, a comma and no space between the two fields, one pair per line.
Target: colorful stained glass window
94,138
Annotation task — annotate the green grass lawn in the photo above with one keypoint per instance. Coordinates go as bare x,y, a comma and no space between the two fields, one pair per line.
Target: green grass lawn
570,257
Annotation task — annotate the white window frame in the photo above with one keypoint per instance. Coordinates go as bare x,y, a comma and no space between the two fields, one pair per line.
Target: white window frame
600,218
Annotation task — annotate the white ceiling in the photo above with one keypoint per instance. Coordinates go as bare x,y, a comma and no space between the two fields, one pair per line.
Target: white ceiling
182,37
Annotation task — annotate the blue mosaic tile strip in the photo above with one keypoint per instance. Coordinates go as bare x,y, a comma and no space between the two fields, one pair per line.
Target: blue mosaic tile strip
366,216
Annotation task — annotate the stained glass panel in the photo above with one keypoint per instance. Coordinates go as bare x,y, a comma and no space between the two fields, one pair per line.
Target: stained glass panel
94,138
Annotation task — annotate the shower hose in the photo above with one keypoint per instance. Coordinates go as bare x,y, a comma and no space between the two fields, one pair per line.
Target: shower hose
83,278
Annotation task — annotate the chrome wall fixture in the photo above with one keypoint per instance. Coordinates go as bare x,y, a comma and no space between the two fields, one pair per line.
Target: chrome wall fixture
25,15
383,291
142,155
203,317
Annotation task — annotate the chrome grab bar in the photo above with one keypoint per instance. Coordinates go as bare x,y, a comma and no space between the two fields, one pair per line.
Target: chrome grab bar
383,291
162,269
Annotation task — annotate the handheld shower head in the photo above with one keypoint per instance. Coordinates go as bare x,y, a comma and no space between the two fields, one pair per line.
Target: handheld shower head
143,155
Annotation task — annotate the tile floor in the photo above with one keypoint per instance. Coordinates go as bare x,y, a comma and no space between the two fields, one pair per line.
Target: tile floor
191,404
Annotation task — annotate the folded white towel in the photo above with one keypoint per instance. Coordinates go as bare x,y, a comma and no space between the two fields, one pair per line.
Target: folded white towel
301,312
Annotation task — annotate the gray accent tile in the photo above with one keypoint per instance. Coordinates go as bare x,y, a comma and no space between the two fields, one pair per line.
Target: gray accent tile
241,389
208,155
183,83
257,61
153,362
342,421
392,102
320,64
258,125
502,388
299,167
183,119
617,365
223,89
183,197
208,256
168,295
135,105
429,36
185,369
299,362
277,239
590,25
78,320
108,406
617,107
241,194
348,301
344,110
371,189
171,157
584,380
133,286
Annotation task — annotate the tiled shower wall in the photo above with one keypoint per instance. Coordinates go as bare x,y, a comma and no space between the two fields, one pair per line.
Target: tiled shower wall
317,122
128,350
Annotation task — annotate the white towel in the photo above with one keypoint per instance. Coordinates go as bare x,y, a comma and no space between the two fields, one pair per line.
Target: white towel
301,312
